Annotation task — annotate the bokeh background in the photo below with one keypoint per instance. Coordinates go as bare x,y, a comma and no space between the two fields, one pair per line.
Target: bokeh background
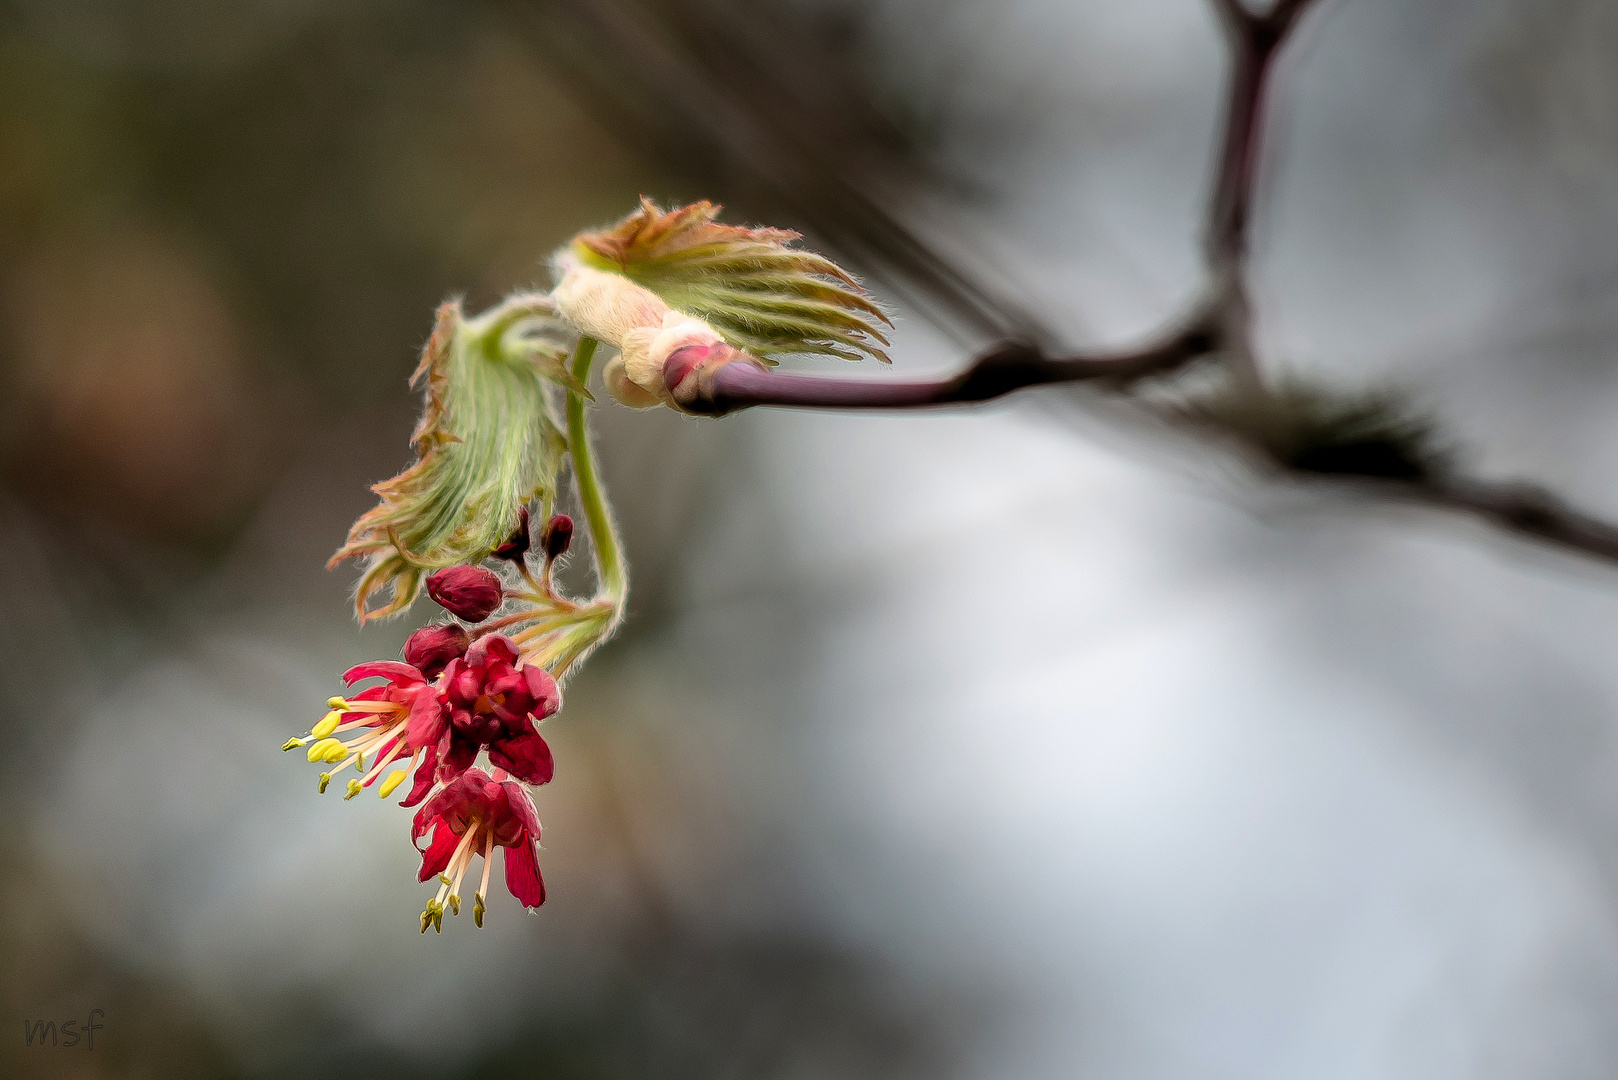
1037,740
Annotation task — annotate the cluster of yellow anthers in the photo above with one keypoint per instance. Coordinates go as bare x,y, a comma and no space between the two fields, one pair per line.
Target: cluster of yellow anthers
332,750
678,295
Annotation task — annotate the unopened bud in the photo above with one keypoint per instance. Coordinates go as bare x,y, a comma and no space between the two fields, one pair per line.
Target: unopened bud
558,537
469,592
516,547
430,649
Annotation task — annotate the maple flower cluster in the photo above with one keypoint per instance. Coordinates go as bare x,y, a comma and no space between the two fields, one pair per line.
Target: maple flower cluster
679,296
457,694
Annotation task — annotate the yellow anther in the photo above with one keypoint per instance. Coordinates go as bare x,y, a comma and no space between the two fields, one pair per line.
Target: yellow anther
454,904
319,750
477,909
292,744
359,762
336,703
327,725
335,752
444,878
426,917
325,778
395,778
354,788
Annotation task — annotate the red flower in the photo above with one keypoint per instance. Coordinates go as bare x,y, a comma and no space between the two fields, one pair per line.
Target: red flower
468,592
386,721
471,816
490,702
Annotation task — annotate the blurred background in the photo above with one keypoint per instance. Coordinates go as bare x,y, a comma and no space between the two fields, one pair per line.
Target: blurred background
1037,740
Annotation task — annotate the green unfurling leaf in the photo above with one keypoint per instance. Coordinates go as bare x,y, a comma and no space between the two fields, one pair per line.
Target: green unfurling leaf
488,441
765,297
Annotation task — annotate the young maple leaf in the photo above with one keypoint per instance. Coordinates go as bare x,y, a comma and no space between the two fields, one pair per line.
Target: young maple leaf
765,297
487,443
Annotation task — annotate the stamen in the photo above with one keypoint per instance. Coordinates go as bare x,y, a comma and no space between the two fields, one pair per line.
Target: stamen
336,703
327,725
460,868
458,861
394,779
477,897
319,750
374,707
382,763
325,778
294,743
354,788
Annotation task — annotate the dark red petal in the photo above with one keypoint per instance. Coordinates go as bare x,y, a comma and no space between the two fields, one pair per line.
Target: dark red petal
427,720
436,857
522,873
524,755
426,776
465,685
489,648
503,680
432,647
455,756
440,805
391,670
542,688
522,808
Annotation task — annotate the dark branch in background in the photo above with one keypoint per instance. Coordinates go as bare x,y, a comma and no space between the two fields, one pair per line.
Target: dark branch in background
787,131
1013,365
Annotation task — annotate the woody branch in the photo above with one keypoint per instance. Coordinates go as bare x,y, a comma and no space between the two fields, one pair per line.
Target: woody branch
1219,325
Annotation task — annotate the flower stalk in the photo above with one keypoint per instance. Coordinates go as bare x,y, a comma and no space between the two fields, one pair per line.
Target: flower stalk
609,560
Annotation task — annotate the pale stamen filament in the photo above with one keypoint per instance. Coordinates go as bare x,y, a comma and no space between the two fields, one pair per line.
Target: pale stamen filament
462,851
383,762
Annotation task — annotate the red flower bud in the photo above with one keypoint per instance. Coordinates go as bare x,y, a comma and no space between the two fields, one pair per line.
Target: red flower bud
516,547
470,592
430,649
558,536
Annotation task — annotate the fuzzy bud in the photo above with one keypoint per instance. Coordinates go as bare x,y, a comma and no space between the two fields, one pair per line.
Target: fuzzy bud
430,649
558,537
468,592
515,549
